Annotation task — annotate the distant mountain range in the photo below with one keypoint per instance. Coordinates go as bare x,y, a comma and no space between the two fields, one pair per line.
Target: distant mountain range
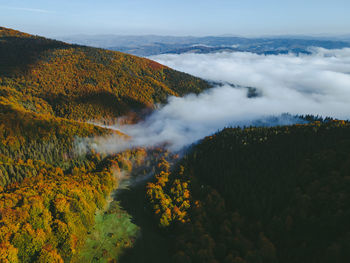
149,45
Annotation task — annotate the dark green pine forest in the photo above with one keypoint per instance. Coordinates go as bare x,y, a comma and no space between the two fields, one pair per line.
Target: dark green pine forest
254,194
278,194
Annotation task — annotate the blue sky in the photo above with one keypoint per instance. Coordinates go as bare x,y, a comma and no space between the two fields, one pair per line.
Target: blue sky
177,17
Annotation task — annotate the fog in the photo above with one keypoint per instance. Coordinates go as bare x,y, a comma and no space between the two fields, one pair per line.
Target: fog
316,84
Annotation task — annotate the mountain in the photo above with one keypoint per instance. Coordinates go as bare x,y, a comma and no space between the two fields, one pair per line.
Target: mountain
84,83
254,194
278,194
50,187
154,45
48,88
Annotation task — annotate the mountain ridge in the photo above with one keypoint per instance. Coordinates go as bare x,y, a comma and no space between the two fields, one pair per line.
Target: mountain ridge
79,82
148,45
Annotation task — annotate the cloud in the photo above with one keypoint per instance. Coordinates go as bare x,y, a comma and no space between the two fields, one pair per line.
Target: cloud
26,9
316,84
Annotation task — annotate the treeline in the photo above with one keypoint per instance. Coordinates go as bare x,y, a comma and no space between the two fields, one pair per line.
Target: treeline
278,194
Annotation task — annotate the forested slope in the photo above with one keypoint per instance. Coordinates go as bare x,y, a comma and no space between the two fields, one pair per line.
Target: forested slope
83,83
277,194
49,191
48,87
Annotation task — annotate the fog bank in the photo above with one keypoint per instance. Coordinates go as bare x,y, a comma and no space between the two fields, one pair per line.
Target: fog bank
316,84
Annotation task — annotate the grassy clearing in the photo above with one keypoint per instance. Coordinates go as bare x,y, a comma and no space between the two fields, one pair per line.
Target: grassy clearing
113,233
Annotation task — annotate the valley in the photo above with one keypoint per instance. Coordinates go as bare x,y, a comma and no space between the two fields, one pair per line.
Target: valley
108,157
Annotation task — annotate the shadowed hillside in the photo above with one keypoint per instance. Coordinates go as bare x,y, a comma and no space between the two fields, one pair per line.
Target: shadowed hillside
278,194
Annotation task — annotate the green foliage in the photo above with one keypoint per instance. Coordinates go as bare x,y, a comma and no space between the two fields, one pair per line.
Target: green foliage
112,233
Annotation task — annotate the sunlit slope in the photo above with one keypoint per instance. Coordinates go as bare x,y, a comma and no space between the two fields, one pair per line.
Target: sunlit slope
85,83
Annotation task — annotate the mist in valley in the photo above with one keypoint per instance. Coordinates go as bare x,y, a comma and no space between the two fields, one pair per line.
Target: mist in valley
250,89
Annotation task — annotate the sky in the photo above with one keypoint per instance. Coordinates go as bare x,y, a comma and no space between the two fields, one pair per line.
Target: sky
180,17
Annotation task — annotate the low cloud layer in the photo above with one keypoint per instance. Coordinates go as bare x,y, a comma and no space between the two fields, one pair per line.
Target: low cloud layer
316,84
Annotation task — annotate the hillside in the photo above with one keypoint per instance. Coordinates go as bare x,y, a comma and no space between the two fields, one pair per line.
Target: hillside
278,194
49,189
84,83
252,195
48,87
